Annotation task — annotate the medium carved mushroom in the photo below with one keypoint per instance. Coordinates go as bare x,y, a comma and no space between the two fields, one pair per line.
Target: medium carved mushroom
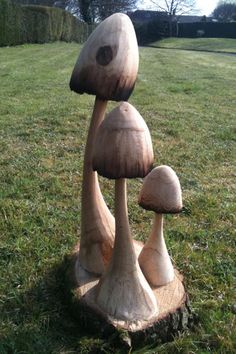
161,193
123,149
107,68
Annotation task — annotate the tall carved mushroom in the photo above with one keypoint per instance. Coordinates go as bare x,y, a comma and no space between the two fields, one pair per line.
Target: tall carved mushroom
123,149
161,193
107,68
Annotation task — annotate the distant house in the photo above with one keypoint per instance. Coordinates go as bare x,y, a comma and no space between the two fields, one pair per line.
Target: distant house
193,19
144,16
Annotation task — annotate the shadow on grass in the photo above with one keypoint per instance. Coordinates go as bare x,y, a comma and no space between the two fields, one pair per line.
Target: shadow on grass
39,321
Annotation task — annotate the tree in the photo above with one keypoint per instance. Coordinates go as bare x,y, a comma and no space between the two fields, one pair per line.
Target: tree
95,10
174,8
108,7
89,11
86,9
35,2
225,11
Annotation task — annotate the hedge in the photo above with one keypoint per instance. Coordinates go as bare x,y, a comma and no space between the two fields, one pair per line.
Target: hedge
10,23
154,30
151,31
39,24
207,29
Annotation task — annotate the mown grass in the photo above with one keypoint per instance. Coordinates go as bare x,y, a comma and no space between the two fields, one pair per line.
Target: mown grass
201,44
188,100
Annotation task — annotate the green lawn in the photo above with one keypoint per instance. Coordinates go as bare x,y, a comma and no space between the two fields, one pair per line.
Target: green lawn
226,45
188,100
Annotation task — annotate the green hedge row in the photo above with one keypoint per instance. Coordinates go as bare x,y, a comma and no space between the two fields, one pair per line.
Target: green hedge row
151,31
154,30
10,23
38,24
208,29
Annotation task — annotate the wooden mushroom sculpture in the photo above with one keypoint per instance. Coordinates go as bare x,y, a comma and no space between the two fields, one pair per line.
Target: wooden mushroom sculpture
161,193
123,149
107,68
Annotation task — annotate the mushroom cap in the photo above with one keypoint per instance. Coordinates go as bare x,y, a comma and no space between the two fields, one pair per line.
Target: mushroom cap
161,191
123,146
108,63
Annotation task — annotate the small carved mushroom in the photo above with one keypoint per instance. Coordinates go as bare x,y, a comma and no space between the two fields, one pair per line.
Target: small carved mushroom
107,68
123,149
161,193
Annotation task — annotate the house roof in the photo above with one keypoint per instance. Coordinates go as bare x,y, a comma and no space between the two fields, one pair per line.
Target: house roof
146,15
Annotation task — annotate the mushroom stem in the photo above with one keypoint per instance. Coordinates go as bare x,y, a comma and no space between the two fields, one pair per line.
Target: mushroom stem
156,238
123,292
123,239
97,223
154,259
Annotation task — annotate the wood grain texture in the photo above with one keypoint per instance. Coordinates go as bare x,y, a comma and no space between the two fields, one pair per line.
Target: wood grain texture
174,312
123,146
97,223
122,291
161,191
154,258
108,63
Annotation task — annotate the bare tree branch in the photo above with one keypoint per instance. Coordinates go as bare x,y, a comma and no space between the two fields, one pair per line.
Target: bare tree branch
175,7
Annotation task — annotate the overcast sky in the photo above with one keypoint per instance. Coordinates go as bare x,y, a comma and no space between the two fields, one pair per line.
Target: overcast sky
205,7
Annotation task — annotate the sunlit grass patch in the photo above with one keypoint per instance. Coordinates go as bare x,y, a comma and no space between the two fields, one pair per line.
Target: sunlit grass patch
202,44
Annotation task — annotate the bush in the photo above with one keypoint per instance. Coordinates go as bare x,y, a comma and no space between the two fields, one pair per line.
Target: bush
39,24
36,24
10,23
209,29
151,31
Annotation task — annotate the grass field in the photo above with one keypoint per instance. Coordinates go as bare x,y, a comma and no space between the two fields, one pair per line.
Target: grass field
226,45
188,100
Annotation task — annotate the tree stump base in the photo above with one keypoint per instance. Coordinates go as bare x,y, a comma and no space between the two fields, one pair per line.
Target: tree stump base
174,312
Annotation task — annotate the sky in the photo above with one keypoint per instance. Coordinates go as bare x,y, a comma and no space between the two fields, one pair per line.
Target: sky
204,7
